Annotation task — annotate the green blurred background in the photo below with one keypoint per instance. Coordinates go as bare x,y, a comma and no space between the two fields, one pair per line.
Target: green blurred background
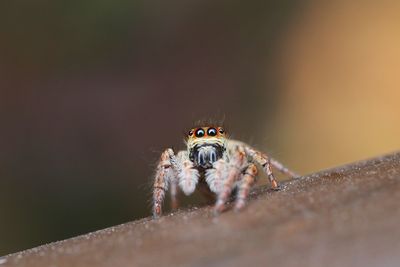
92,91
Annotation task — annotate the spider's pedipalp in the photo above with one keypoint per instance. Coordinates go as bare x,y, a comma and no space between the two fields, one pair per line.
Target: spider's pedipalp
216,175
188,176
247,181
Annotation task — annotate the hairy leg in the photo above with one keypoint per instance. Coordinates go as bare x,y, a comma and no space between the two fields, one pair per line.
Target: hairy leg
283,169
264,161
248,179
266,164
162,178
234,170
271,177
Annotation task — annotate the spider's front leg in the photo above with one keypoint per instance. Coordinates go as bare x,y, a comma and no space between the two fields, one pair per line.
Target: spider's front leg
164,174
174,170
233,172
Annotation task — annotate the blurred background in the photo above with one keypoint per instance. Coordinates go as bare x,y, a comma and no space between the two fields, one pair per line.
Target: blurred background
92,91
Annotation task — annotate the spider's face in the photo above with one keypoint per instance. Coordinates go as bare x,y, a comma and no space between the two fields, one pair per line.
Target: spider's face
206,145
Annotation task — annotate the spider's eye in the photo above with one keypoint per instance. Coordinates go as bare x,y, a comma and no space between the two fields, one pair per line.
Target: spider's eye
212,132
190,133
200,133
221,130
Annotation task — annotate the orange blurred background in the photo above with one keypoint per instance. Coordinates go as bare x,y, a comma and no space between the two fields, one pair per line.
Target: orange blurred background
92,92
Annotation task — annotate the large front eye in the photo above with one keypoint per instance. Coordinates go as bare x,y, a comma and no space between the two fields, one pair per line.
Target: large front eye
212,132
200,133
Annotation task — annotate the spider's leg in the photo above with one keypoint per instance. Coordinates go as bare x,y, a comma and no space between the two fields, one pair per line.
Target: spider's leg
234,170
188,176
266,163
248,179
283,169
267,168
162,178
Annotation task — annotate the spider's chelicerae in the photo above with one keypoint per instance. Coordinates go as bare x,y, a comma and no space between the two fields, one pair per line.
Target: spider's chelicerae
214,163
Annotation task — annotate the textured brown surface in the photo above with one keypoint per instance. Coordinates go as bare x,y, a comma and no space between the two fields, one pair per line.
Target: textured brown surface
347,216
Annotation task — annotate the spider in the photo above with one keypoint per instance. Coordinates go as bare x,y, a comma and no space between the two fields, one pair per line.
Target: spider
215,163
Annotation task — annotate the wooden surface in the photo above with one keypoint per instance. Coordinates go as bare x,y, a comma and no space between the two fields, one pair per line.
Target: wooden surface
347,216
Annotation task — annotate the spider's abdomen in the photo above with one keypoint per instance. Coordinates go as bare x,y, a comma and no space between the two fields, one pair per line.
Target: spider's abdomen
205,155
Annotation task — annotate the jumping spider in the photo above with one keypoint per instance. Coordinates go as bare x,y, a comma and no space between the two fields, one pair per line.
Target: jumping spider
218,164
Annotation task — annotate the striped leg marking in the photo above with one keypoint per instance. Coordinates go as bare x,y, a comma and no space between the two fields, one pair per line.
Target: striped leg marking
161,181
248,179
234,172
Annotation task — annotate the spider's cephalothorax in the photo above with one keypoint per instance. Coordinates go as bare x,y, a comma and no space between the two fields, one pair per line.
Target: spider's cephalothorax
206,145
222,164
